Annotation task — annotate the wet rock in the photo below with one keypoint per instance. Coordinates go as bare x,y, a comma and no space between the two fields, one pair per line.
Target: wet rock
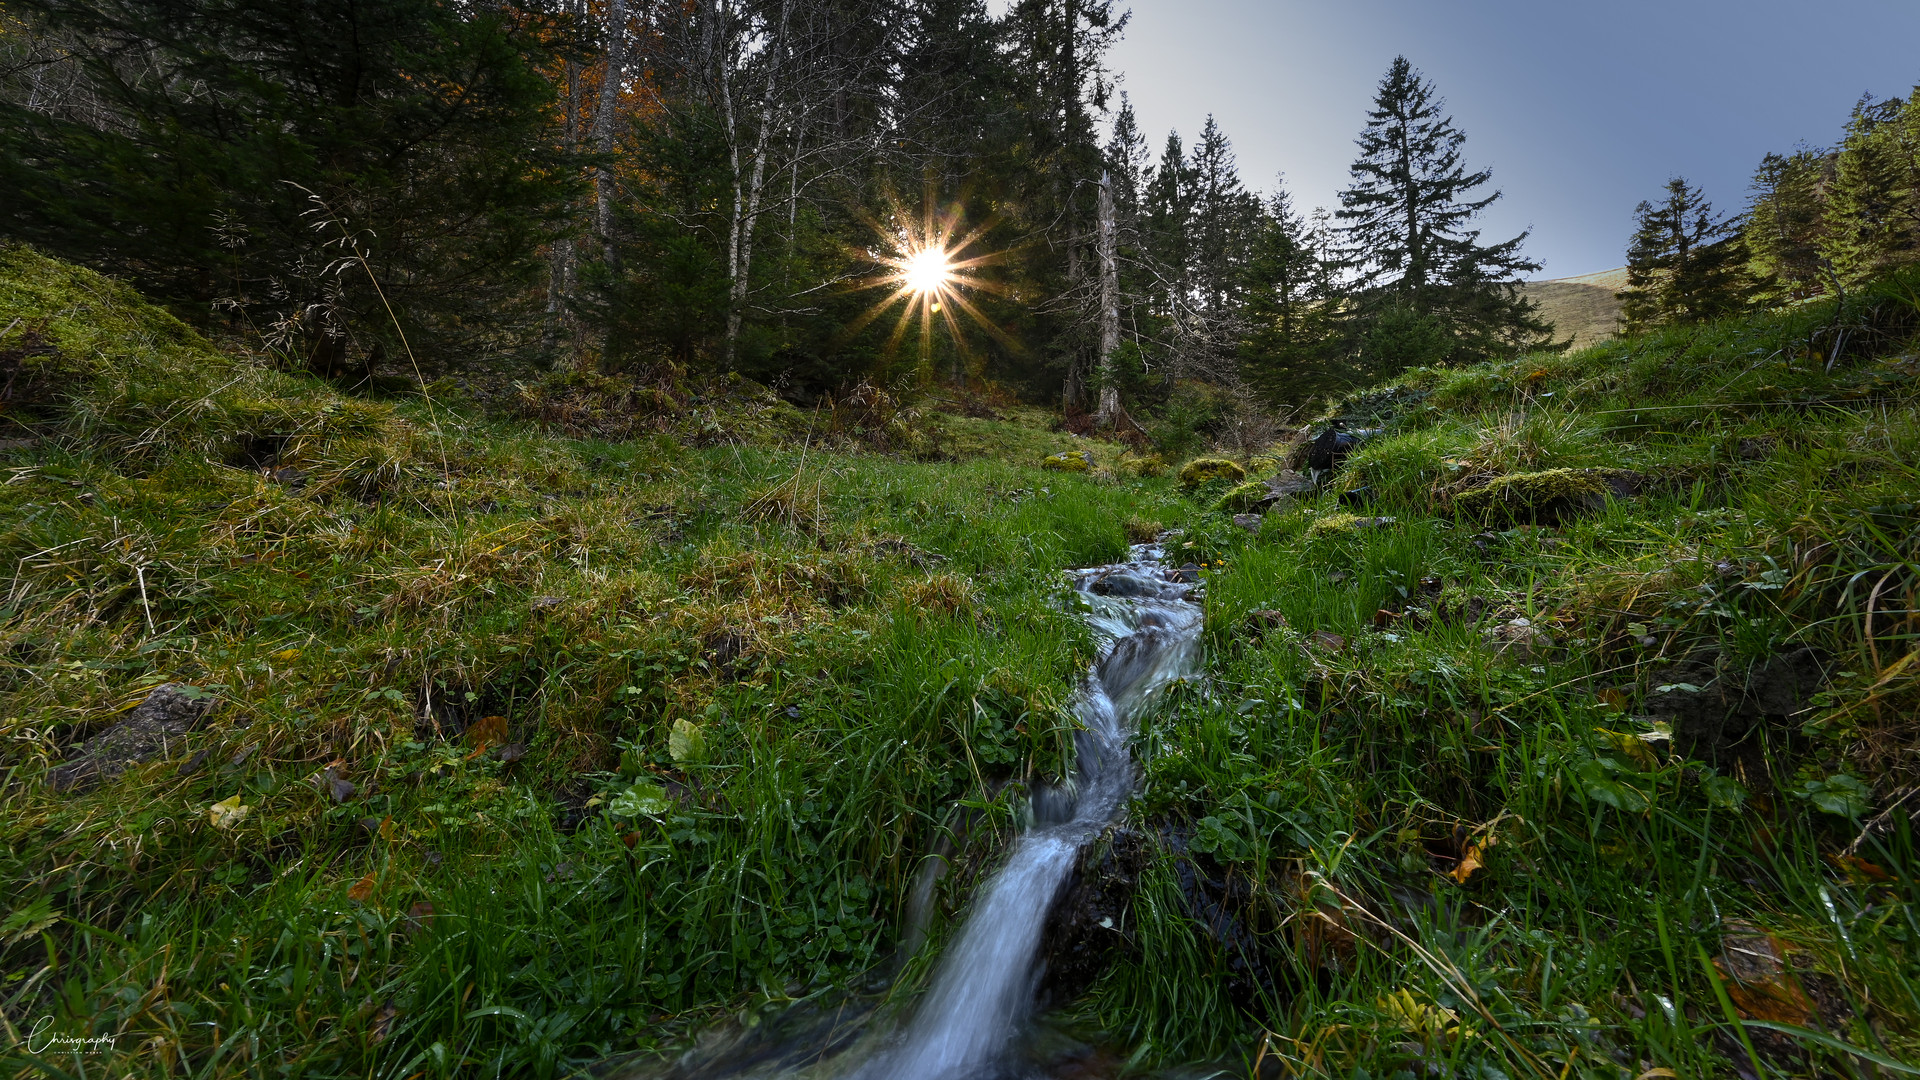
168,713
1091,922
1249,522
1355,497
1289,485
1329,450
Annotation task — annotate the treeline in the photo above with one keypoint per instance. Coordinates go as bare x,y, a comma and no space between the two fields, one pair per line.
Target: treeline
641,186
1818,221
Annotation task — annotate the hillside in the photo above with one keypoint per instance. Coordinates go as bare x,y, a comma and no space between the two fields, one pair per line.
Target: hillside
1565,727
1583,307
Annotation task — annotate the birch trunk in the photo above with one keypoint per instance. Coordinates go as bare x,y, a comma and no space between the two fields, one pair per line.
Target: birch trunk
1109,410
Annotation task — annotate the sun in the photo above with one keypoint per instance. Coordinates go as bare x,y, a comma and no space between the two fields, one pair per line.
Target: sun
926,271
931,264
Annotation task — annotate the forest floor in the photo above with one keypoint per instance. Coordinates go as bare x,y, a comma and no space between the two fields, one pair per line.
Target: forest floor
1567,729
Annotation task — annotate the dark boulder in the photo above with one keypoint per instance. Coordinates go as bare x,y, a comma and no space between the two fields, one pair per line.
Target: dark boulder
1091,922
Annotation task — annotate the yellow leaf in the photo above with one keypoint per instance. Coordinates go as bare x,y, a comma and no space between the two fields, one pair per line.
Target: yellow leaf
361,889
227,813
285,655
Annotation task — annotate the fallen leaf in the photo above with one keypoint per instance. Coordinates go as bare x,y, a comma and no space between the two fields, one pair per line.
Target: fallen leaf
419,917
1383,617
1615,699
285,655
1859,869
227,814
488,731
1329,640
1756,979
340,789
1468,863
383,1023
513,752
361,890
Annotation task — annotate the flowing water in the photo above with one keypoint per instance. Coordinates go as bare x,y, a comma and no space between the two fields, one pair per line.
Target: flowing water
984,985
1148,627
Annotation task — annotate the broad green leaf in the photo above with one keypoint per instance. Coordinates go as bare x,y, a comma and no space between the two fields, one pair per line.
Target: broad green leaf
644,799
687,743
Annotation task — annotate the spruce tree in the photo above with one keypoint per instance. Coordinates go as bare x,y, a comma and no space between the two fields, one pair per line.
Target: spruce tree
1291,309
1684,262
423,125
1873,215
1168,218
1783,228
1408,219
1225,217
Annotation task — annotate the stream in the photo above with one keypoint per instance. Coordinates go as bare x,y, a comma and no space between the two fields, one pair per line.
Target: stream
980,1002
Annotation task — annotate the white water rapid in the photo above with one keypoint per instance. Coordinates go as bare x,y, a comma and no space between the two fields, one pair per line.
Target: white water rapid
1149,631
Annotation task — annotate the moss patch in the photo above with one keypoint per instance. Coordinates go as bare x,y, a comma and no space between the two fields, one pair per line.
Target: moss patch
1204,470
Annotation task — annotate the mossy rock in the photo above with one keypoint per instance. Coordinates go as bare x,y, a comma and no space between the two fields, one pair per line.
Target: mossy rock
1345,524
1077,461
1546,497
1243,498
1142,464
1204,470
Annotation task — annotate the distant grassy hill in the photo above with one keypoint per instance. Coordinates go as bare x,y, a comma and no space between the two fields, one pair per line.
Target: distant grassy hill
1583,307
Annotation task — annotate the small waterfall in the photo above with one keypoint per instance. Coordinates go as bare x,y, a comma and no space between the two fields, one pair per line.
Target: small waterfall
983,988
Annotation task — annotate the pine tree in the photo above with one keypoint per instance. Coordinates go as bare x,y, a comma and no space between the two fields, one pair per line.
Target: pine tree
1784,228
1873,213
1407,223
1291,309
1225,217
424,126
1683,264
1167,227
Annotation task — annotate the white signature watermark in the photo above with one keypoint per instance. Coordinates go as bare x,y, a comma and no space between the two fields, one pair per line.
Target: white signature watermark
39,1040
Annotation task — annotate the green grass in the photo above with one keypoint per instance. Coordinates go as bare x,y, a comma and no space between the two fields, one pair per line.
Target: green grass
759,671
1320,799
860,644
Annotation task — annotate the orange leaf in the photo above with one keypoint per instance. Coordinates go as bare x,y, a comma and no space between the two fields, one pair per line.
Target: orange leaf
1859,869
361,889
487,731
1468,864
1614,699
1750,967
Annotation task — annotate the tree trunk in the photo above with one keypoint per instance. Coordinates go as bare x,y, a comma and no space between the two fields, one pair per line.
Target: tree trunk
603,127
1109,409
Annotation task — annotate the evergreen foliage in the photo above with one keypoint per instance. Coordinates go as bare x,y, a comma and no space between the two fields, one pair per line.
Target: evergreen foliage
221,152
1408,220
1684,264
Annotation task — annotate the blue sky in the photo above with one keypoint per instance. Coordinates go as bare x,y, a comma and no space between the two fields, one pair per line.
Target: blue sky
1581,109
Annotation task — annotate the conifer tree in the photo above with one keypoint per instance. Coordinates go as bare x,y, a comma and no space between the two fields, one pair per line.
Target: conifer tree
1873,215
1168,220
1225,217
424,126
1784,227
1408,219
1291,310
1683,264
